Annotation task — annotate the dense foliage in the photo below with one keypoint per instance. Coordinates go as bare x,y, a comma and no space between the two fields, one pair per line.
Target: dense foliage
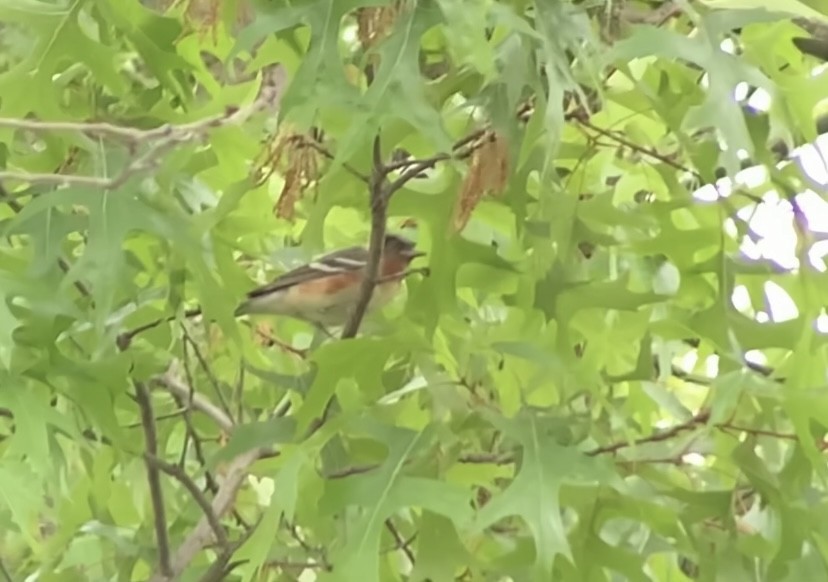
571,389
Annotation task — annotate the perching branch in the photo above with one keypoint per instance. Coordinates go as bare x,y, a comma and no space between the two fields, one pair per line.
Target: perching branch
379,213
161,138
142,396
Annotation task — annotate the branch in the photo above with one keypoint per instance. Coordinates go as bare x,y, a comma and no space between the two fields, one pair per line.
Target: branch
181,476
177,388
125,339
640,149
165,136
142,396
462,148
193,436
379,212
201,535
319,147
274,341
700,418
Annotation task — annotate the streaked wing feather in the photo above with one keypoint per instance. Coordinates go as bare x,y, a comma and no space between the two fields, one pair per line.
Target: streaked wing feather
308,273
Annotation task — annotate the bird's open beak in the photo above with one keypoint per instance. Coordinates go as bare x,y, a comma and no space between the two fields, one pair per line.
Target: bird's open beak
413,254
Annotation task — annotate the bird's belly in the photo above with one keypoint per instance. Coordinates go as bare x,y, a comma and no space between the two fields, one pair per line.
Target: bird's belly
337,309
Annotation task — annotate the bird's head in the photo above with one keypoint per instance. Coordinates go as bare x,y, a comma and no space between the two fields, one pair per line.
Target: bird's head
398,246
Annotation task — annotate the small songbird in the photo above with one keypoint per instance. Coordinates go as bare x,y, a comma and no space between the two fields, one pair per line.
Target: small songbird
324,291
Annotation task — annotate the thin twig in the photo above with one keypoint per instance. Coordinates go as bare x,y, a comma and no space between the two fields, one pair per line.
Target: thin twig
640,149
125,339
485,458
142,396
411,173
188,376
353,470
700,418
402,544
294,533
327,153
193,436
160,417
284,346
283,564
239,392
221,566
206,367
677,460
181,476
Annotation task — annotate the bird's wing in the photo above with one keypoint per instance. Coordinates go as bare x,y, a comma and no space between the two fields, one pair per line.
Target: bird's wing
342,261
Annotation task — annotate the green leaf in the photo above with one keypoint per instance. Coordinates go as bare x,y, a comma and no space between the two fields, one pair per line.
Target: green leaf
396,91
29,403
533,495
379,494
362,359
20,495
440,551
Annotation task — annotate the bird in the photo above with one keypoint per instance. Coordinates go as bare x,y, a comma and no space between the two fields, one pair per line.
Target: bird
324,291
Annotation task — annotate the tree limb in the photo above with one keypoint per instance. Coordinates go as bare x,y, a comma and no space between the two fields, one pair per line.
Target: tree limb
165,136
175,386
223,501
181,476
379,211
142,396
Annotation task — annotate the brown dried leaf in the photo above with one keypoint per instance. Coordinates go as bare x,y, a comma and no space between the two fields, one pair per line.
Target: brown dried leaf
470,194
204,16
292,154
488,173
496,161
375,23
285,207
268,160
